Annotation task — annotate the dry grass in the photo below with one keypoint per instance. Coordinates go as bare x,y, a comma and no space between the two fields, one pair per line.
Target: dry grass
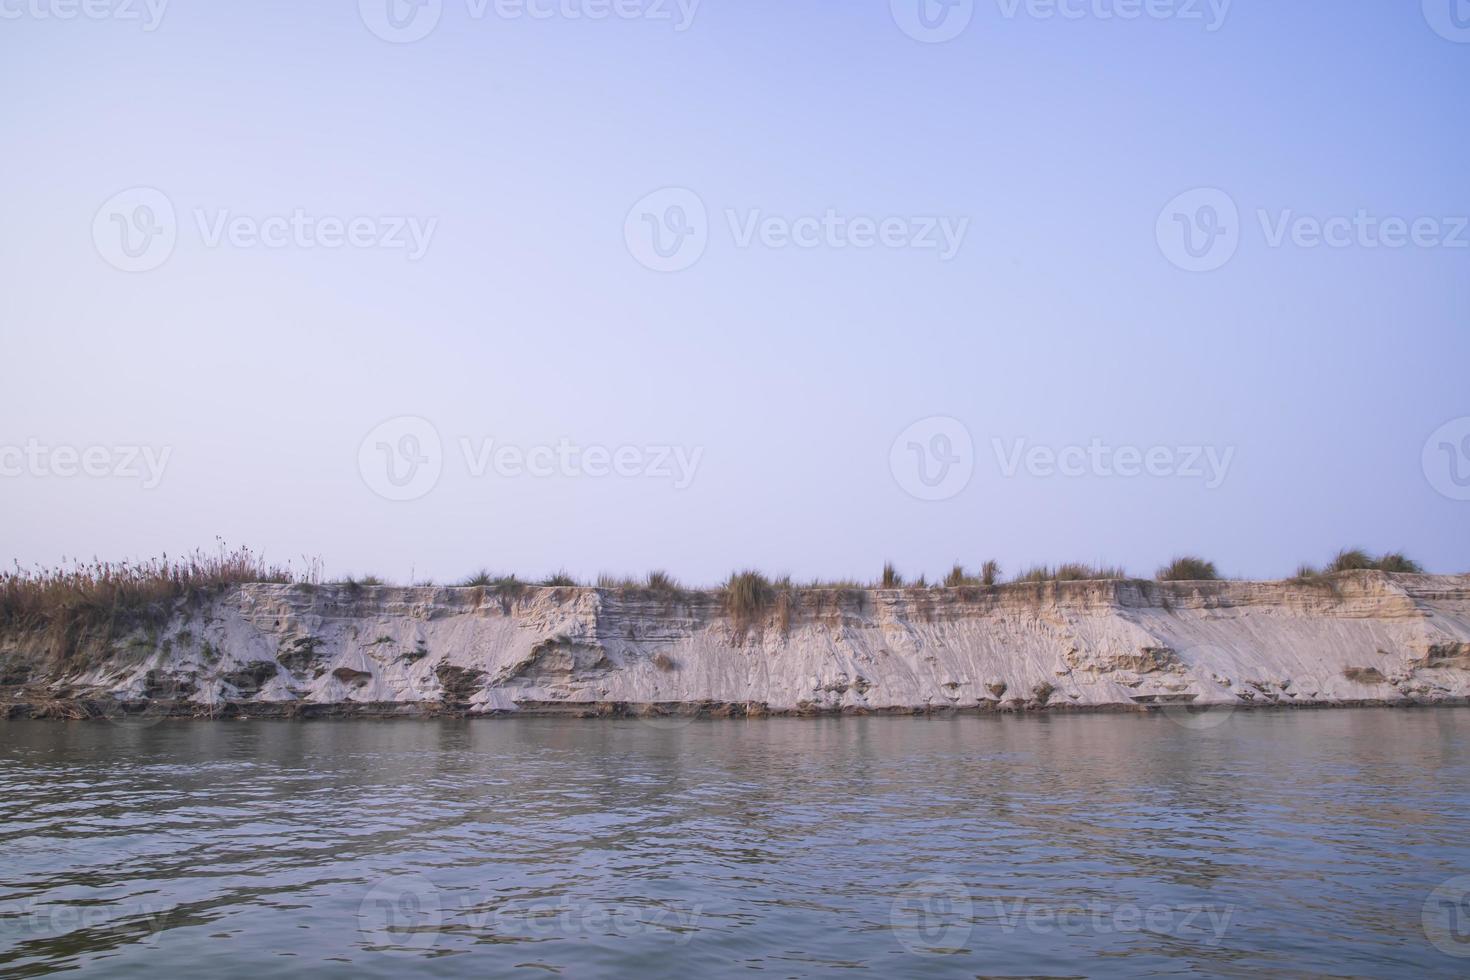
1357,560
1396,562
1187,568
959,577
659,581
1350,560
1070,572
101,600
747,594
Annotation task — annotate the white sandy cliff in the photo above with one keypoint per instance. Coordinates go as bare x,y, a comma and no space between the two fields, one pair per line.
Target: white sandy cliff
266,650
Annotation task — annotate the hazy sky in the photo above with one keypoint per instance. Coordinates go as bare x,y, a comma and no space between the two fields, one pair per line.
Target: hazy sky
799,286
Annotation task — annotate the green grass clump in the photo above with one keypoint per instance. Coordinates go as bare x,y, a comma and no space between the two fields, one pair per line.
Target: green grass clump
560,579
1188,569
891,579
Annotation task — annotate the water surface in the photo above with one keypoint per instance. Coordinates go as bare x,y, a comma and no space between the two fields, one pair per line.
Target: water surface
1303,842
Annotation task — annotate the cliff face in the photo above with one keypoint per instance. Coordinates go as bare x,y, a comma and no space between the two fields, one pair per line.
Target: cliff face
290,649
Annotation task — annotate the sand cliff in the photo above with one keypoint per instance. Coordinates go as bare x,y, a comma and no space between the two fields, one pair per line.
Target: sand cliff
267,650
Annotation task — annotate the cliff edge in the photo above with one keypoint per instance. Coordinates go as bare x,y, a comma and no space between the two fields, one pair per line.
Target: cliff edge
300,650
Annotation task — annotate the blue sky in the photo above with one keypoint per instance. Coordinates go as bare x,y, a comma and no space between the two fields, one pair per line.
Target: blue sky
263,362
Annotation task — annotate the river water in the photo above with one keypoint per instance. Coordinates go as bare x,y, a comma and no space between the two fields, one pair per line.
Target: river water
1304,842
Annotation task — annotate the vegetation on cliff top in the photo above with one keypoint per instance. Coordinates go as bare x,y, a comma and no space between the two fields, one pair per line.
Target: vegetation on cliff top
1188,569
105,599
1356,559
112,597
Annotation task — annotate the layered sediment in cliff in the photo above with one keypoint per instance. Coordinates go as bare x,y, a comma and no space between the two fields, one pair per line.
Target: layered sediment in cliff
258,650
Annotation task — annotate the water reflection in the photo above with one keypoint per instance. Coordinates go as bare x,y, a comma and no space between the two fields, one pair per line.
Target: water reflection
1076,845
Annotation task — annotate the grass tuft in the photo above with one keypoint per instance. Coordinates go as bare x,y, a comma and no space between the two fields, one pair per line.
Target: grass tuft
1350,560
1188,569
1396,562
660,581
1070,572
891,579
747,595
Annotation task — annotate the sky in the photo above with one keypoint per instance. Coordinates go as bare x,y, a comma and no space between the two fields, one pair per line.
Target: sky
616,285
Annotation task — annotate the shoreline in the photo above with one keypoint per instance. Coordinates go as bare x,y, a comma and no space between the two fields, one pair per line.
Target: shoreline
155,712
